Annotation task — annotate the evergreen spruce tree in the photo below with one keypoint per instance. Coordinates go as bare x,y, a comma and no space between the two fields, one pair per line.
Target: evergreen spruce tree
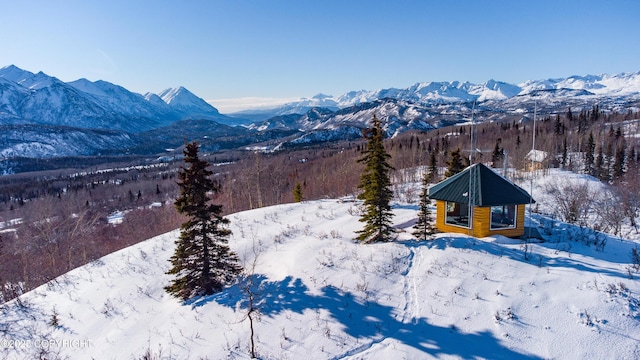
608,169
455,165
599,169
376,188
297,193
564,152
557,128
424,228
433,167
588,157
618,164
202,262
498,154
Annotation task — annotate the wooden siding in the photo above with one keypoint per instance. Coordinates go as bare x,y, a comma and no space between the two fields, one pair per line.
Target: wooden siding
481,222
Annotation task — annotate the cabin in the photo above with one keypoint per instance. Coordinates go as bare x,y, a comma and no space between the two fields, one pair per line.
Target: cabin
536,160
497,205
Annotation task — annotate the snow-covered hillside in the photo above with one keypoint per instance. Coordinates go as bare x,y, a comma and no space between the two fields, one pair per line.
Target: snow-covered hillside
321,124
48,141
322,296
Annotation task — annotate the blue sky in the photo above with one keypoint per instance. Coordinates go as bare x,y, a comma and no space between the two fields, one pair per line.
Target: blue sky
260,50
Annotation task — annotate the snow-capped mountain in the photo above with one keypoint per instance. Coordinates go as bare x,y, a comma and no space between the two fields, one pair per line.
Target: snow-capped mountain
322,124
28,98
185,102
120,100
25,78
432,93
298,107
38,99
319,125
398,115
601,85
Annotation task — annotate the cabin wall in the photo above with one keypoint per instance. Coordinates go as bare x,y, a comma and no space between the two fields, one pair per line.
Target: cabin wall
481,222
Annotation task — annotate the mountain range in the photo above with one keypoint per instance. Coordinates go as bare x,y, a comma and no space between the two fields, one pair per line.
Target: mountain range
28,98
622,85
44,117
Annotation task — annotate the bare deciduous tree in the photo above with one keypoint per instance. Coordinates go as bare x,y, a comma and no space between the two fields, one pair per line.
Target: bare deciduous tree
573,201
610,214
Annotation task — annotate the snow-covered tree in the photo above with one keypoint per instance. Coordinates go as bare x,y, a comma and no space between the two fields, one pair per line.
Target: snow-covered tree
202,262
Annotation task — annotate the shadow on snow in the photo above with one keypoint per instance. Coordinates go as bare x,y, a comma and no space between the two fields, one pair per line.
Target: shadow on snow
361,319
501,250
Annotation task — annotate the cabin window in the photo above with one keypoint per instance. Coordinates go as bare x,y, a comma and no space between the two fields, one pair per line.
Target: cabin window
503,217
457,214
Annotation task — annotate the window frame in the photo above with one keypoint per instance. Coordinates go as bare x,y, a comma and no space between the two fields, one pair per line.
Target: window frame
504,209
460,206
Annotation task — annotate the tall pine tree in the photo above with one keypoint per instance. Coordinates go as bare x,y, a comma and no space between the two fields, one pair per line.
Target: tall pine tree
376,188
424,228
564,153
498,154
202,262
599,168
297,193
589,155
619,161
433,167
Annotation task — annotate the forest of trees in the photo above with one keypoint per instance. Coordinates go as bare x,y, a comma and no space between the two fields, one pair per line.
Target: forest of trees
76,205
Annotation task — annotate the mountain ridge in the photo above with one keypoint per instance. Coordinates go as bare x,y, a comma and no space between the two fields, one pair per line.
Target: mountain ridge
82,106
430,93
43,99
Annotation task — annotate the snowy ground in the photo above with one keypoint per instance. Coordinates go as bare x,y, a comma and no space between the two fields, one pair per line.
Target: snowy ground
322,296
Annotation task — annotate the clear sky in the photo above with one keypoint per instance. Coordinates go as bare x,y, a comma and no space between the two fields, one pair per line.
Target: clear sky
261,50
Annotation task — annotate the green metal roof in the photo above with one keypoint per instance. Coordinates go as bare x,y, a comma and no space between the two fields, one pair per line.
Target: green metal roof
490,188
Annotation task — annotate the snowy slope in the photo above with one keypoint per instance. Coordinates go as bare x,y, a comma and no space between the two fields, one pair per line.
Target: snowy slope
184,101
604,84
48,141
25,78
121,100
322,296
322,124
